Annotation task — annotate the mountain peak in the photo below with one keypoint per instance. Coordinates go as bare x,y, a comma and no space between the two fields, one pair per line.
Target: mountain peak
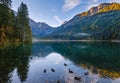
40,28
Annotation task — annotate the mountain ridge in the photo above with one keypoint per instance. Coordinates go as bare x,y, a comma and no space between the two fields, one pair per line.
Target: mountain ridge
96,22
40,29
83,27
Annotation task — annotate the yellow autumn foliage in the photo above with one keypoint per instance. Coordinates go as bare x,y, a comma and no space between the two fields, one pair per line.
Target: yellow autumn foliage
113,6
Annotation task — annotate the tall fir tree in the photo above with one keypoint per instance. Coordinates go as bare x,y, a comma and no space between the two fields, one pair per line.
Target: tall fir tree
5,12
22,20
6,3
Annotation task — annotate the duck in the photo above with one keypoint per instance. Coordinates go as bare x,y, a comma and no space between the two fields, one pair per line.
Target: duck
30,57
53,70
65,64
45,71
70,71
77,78
86,73
58,81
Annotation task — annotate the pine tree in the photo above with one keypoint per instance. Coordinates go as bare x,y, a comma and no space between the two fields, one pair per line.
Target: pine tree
5,12
6,3
22,20
4,15
6,28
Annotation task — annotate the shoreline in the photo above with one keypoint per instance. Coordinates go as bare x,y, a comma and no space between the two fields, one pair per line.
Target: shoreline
41,40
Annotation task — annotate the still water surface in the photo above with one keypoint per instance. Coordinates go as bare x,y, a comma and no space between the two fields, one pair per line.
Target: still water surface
50,63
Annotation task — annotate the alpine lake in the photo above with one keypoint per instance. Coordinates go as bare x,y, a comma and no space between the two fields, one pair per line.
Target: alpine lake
61,62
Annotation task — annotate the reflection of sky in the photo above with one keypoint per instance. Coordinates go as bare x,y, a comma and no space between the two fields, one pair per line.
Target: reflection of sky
55,58
47,62
15,77
56,61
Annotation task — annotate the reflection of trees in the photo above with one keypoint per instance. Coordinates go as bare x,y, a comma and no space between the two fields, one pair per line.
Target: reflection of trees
11,58
98,54
112,74
22,70
41,49
102,72
104,56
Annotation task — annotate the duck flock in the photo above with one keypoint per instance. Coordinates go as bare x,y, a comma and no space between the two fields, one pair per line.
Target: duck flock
69,71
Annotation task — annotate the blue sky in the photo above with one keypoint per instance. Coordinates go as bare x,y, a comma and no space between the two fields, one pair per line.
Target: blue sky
55,12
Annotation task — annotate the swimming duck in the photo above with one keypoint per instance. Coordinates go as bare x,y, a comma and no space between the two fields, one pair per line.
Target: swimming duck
45,71
70,71
53,70
77,78
65,64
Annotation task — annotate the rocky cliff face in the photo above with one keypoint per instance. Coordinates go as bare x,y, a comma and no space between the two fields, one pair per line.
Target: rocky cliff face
94,10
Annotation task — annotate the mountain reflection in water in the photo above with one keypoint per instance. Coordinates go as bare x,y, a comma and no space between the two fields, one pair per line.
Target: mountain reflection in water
50,63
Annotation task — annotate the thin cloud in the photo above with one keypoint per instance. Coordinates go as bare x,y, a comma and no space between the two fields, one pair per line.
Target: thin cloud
70,4
58,19
107,1
95,0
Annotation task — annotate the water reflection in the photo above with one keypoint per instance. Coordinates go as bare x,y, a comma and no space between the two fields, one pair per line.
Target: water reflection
50,63
14,58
